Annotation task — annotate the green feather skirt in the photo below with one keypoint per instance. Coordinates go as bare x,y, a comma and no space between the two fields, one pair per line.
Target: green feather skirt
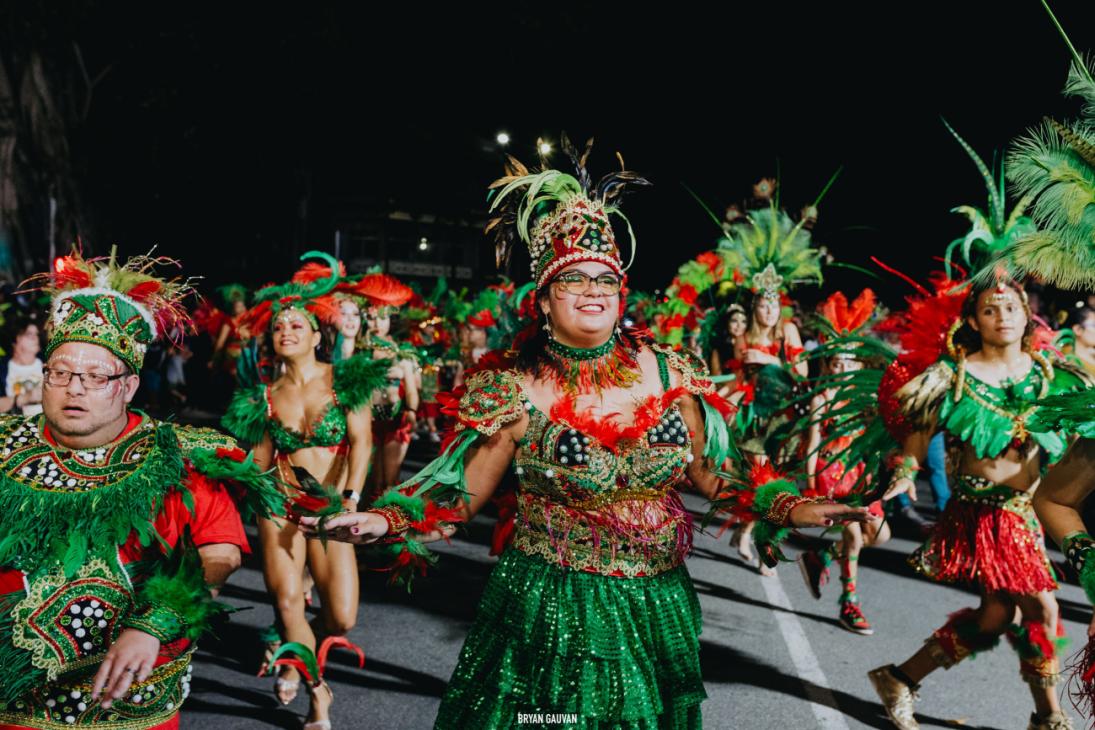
619,653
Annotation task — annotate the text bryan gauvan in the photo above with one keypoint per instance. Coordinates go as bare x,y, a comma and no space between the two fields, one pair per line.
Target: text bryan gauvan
547,718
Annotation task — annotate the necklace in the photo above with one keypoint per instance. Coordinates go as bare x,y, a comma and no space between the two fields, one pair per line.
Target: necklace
578,369
376,342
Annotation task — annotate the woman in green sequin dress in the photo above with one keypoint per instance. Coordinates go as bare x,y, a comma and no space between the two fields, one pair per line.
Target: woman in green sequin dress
590,611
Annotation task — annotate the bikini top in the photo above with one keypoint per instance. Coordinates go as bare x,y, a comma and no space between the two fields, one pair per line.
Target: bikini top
251,415
329,429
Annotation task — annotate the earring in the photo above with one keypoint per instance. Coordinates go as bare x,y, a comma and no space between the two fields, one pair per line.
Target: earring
547,328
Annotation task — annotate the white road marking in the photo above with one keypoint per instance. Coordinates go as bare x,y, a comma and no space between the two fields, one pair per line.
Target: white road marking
822,702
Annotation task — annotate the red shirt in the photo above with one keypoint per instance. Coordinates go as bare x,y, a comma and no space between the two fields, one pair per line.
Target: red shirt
215,519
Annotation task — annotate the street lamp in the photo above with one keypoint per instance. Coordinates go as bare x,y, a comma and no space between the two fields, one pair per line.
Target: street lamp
423,244
545,148
503,138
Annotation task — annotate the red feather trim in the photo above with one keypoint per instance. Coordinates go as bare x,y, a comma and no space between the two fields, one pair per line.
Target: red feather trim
326,309
296,664
506,502
845,319
922,328
143,291
761,474
235,454
209,319
312,272
607,430
493,360
337,642
437,516
70,273
383,290
257,319
482,319
725,408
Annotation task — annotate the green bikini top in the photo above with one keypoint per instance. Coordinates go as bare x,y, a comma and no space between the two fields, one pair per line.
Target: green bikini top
327,430
251,416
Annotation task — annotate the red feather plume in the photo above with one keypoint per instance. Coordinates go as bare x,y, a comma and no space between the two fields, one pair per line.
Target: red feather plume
383,290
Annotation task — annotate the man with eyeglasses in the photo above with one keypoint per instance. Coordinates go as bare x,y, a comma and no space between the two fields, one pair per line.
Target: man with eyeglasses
117,528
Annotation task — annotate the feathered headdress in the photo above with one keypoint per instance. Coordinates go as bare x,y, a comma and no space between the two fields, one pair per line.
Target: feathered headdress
771,252
381,290
563,219
232,293
123,307
310,293
1055,165
839,319
991,230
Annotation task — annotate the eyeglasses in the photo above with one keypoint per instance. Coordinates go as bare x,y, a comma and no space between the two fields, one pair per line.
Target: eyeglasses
577,282
90,381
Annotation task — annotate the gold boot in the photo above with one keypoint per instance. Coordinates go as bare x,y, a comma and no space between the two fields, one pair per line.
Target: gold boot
897,697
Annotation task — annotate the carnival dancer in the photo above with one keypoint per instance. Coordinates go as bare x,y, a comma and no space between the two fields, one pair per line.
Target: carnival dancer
432,342
826,475
771,253
722,355
983,395
117,529
313,417
395,404
602,427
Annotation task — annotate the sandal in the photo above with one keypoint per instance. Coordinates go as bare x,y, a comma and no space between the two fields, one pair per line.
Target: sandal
283,687
319,724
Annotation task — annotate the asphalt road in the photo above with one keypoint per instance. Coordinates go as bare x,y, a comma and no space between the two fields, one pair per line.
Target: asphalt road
772,656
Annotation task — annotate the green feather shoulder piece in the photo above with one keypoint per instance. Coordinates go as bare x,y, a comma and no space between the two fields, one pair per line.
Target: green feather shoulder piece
247,414
357,377
1068,412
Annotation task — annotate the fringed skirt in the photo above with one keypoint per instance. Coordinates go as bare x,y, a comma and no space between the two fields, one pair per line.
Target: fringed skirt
989,536
592,650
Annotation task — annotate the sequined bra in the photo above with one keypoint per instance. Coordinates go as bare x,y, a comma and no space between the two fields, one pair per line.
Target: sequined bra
598,497
327,430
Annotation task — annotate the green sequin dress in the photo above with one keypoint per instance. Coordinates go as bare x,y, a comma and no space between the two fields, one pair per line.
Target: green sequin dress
591,610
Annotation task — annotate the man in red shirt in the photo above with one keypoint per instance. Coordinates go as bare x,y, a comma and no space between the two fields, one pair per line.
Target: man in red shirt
117,528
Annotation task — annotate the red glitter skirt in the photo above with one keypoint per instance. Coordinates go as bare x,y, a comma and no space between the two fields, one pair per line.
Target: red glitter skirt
989,536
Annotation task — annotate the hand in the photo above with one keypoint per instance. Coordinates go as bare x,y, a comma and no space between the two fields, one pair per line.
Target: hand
130,660
900,486
358,528
410,416
824,514
1091,627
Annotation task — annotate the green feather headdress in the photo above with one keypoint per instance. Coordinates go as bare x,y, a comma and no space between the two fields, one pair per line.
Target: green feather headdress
769,252
992,230
1055,166
232,293
313,298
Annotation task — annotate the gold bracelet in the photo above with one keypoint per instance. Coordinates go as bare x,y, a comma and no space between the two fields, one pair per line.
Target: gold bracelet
782,506
398,521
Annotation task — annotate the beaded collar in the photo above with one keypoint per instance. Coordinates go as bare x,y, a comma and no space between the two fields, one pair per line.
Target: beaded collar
577,369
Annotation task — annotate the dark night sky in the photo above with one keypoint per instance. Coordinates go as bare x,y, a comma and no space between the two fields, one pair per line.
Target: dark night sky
199,135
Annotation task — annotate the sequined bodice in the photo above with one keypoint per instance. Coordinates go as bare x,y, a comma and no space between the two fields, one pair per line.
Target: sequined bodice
601,498
561,464
327,430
